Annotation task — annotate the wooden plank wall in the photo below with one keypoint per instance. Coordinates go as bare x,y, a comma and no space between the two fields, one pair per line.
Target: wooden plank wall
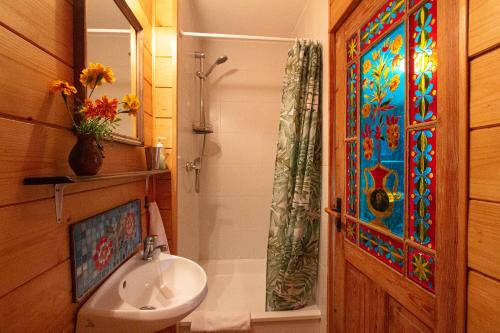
484,167
165,101
36,47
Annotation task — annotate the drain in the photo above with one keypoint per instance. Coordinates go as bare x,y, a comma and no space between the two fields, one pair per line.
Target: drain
147,307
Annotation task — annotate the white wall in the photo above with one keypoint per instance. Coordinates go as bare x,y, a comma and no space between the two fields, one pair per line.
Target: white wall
188,144
237,178
313,23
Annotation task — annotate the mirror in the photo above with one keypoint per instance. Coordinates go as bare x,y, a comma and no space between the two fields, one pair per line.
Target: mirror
110,34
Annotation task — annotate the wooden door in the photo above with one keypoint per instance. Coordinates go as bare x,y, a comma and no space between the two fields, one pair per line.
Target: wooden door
397,142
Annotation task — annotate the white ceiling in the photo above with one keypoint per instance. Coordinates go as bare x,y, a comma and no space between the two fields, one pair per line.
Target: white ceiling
248,17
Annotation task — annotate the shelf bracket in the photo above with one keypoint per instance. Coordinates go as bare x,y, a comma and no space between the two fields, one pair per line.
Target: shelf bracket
58,198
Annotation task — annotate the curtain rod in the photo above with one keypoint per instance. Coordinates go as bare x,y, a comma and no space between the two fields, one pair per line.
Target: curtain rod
236,37
109,31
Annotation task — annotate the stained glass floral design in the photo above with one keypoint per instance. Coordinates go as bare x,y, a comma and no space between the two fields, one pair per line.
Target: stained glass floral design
352,101
352,47
389,14
388,250
351,179
422,187
423,62
351,230
382,133
421,268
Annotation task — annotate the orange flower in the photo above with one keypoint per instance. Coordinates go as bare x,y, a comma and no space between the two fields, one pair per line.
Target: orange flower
392,132
89,109
131,103
366,110
107,108
367,65
394,82
367,142
396,44
64,87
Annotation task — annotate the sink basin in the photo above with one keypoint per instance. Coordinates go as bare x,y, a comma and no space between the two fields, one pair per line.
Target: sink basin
145,296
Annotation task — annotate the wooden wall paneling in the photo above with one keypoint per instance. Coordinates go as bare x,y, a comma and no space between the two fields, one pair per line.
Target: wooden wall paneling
148,99
164,128
165,42
148,66
484,237
148,135
164,13
147,7
25,78
484,30
36,22
45,235
484,161
164,195
401,320
164,65
483,304
164,102
41,305
484,89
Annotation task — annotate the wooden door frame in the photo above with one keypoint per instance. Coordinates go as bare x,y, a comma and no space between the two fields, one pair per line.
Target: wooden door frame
449,312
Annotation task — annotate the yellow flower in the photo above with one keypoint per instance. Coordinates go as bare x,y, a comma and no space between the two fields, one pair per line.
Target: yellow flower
353,48
375,55
394,82
95,74
131,102
108,75
367,108
64,87
367,65
396,44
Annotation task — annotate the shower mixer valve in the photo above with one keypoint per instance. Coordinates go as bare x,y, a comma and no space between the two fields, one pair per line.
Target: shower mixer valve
195,165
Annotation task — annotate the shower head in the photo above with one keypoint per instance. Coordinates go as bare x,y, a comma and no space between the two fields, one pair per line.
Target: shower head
219,61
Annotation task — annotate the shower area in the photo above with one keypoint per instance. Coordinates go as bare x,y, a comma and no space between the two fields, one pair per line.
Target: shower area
229,96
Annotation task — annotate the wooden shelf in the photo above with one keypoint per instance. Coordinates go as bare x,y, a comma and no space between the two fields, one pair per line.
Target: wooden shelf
60,182
84,179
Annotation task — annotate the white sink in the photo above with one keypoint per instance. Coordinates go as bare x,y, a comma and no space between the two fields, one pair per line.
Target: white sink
145,296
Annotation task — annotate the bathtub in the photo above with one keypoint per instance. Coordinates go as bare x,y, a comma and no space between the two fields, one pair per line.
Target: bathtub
239,285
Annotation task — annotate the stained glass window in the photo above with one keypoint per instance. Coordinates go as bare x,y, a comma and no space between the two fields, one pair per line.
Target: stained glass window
391,136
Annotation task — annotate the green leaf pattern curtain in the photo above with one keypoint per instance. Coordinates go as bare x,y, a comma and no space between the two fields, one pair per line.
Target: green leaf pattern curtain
293,243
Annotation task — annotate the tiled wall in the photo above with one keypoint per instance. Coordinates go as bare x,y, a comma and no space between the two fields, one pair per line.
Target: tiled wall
243,98
313,23
188,145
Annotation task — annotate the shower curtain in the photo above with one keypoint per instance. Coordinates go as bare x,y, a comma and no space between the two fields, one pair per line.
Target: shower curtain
293,243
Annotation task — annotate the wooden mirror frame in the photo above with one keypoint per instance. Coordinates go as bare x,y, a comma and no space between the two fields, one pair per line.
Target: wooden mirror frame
80,61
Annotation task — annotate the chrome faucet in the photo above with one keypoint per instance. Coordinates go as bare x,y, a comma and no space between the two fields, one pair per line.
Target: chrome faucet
150,247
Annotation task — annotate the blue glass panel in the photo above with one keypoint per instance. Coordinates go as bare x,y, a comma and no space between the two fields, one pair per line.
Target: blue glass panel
382,133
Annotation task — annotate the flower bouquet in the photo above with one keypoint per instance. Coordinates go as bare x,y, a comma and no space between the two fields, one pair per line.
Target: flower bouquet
93,120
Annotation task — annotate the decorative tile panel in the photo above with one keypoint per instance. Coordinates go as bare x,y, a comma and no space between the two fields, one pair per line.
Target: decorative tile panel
422,187
386,249
351,230
421,268
352,47
101,243
423,64
389,14
382,126
352,101
352,179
